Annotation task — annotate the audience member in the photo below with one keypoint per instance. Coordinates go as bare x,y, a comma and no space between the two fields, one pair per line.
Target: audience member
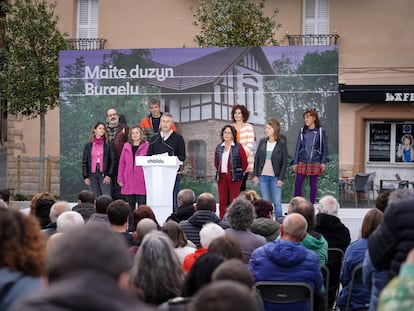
226,246
22,256
37,197
101,206
330,226
57,209
381,201
118,212
3,204
86,196
224,296
208,233
264,224
201,273
398,295
185,210
177,236
143,211
87,270
156,270
313,240
5,196
68,221
144,226
390,243
250,195
240,216
354,255
286,259
204,213
42,210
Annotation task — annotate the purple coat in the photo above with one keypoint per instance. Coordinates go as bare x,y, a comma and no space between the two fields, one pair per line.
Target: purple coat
129,174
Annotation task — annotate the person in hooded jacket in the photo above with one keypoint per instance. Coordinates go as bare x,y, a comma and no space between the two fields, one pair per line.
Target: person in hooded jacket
264,224
286,259
204,213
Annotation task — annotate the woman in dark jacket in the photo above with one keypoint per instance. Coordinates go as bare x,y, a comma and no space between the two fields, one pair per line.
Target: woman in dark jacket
98,161
230,161
310,154
270,165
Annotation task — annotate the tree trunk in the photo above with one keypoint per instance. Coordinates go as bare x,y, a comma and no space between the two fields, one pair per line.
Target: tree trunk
42,153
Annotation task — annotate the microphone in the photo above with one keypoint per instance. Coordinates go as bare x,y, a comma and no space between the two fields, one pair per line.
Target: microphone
171,148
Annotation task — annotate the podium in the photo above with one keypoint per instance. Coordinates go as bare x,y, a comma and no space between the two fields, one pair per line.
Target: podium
159,173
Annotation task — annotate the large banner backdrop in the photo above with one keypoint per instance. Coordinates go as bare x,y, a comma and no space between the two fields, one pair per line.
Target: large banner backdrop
199,88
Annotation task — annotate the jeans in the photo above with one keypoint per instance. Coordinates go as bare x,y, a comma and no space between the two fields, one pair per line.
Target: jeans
268,185
97,186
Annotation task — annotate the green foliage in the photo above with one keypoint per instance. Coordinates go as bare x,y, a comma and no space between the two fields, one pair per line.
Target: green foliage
32,43
234,23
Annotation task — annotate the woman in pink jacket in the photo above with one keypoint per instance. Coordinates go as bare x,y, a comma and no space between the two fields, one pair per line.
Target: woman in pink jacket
130,176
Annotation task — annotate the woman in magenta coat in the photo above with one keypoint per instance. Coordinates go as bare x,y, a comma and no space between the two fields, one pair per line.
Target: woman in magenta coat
130,176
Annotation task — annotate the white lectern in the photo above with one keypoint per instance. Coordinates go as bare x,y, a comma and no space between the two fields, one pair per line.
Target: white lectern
159,172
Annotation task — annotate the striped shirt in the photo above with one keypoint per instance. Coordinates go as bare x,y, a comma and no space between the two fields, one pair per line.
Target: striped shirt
245,136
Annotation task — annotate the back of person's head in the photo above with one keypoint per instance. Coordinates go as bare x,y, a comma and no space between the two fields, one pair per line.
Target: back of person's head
144,227
175,233
201,273
5,195
209,232
102,202
206,201
156,269
224,296
263,208
68,221
235,270
143,211
118,212
86,209
226,246
57,209
240,214
86,196
401,196
381,202
328,205
22,245
294,226
294,202
186,196
94,247
250,195
42,211
370,222
306,209
37,197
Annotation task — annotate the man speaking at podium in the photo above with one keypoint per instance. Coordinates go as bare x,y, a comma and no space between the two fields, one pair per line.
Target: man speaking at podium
168,141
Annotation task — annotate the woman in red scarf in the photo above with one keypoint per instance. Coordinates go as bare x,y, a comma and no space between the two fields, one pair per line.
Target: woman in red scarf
98,161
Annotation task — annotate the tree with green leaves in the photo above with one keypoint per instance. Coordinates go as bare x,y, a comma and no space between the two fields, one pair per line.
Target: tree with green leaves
234,23
30,76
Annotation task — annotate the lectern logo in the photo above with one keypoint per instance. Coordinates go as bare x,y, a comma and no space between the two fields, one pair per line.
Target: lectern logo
156,161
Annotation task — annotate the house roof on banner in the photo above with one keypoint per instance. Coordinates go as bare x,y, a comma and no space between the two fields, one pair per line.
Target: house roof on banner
210,68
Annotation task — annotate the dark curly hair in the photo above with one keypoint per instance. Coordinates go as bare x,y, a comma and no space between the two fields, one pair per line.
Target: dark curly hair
240,214
245,112
22,244
233,132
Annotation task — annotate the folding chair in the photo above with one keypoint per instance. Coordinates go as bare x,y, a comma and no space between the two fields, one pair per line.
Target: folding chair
356,277
281,292
334,264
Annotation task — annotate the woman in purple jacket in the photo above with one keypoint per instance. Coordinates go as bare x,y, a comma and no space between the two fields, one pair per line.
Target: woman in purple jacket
131,176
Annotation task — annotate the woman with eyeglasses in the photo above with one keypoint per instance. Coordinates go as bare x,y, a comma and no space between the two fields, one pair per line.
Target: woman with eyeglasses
230,161
310,155
130,176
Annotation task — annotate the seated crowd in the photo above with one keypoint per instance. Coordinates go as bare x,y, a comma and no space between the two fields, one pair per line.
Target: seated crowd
99,255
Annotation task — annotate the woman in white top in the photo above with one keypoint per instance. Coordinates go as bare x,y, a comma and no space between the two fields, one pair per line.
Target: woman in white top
182,246
245,137
270,165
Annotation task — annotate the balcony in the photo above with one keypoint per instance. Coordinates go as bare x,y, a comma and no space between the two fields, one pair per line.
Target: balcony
86,44
310,40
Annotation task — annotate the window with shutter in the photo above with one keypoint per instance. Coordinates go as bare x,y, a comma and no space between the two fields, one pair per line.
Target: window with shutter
88,19
315,17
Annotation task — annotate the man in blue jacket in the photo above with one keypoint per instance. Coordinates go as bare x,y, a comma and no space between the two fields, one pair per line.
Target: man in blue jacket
286,259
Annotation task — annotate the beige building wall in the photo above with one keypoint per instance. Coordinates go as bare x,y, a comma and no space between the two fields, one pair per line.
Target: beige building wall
375,47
